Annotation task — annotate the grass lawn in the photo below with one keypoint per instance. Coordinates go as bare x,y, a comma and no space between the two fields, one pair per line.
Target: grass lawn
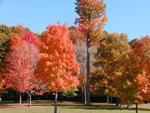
71,108
66,110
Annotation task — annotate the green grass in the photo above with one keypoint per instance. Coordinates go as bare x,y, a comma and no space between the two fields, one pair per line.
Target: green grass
71,108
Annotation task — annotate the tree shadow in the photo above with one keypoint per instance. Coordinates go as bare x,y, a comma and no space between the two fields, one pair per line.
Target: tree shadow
99,107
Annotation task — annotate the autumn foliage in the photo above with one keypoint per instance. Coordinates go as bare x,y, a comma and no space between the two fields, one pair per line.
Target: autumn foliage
142,50
60,59
92,13
57,67
5,34
20,62
122,70
111,52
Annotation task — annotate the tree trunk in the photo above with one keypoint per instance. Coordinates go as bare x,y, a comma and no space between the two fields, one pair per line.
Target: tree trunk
128,106
30,99
107,99
117,102
136,107
0,98
85,100
111,99
82,94
88,100
55,103
20,98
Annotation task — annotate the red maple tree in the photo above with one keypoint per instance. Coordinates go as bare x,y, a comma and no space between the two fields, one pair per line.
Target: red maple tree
20,63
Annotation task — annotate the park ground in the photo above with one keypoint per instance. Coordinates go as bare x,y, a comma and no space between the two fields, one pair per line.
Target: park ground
68,107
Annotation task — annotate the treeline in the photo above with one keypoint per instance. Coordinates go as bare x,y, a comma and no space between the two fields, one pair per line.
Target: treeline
83,59
119,68
34,64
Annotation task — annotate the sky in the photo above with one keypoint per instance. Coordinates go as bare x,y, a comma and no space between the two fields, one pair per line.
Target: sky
124,16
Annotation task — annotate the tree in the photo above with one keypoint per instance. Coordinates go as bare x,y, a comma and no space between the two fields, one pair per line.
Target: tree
76,35
112,50
58,67
5,34
78,39
134,85
81,58
20,63
3,50
127,87
92,19
142,50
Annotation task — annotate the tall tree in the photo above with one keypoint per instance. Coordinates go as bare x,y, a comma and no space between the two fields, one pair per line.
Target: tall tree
78,39
92,18
58,67
81,58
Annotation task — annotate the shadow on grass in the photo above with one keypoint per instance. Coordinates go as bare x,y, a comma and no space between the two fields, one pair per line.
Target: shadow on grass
111,107
99,107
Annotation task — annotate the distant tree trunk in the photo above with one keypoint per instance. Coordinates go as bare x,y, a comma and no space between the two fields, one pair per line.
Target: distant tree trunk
128,106
88,100
110,99
107,99
136,104
55,102
0,98
82,94
117,102
20,98
85,100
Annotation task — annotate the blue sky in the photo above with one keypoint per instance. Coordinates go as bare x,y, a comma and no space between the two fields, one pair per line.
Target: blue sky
128,16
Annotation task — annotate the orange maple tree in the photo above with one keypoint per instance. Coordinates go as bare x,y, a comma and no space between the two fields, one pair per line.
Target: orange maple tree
134,85
142,50
58,67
